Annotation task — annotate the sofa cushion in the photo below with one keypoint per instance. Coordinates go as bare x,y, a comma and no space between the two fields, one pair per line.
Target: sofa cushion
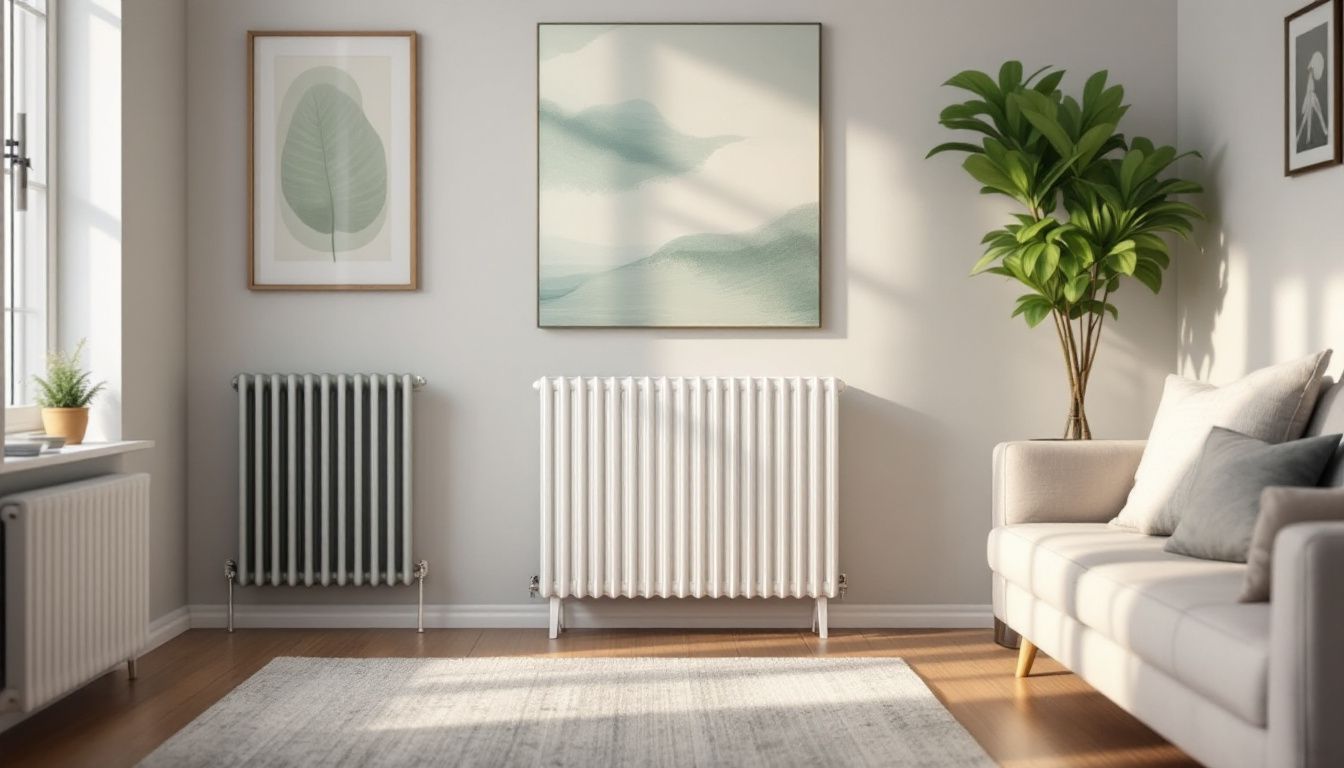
1177,613
1273,404
1280,508
1232,472
1328,418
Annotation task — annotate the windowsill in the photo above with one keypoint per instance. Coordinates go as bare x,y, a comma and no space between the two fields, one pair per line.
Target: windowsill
72,454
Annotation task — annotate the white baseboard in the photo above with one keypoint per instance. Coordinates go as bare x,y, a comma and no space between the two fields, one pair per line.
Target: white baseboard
168,626
597,614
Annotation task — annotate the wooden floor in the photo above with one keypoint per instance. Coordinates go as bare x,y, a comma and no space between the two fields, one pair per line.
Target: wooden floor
1051,719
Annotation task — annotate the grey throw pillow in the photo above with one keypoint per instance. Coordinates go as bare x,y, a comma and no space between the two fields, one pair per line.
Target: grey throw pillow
1232,472
1280,508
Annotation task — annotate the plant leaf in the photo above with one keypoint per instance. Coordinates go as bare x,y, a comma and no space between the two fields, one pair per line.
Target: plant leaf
983,170
1124,262
1148,273
1051,130
1121,247
1049,83
1034,307
1129,167
978,83
1031,254
1049,262
1095,85
1076,288
986,260
954,146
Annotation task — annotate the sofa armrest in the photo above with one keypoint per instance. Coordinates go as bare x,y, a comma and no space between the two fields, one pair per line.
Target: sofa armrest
1063,481
1306,664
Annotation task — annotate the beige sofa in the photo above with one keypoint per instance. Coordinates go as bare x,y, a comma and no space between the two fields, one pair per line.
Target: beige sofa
1163,635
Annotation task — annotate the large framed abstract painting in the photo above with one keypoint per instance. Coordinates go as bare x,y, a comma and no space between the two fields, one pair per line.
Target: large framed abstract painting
1312,91
679,175
332,150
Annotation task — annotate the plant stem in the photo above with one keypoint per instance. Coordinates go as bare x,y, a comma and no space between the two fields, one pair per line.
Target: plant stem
1076,428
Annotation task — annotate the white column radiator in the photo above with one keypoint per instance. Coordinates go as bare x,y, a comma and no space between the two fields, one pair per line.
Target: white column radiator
76,585
325,482
689,487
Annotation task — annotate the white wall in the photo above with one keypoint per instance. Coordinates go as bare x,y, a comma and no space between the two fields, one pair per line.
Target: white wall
154,276
121,264
88,198
1265,280
938,373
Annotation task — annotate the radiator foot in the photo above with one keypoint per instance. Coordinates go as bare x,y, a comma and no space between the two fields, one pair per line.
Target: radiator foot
421,571
231,574
819,618
132,670
557,617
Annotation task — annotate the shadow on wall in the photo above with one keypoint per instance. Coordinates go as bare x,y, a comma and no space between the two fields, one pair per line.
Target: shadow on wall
1209,248
891,455
1262,282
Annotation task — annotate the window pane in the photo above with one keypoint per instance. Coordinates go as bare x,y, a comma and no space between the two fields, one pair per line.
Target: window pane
29,314
25,240
31,98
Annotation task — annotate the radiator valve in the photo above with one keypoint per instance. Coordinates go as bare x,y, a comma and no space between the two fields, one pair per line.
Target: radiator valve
844,585
534,586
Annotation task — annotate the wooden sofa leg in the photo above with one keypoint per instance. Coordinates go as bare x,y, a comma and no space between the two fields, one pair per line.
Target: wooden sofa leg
1026,656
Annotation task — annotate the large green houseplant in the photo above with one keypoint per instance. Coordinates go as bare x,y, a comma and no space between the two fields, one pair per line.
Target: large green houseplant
1095,205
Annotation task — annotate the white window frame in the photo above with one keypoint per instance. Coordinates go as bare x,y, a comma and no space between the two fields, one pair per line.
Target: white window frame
28,417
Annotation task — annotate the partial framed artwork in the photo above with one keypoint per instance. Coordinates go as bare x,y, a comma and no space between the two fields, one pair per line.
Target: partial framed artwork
332,153
679,175
1312,93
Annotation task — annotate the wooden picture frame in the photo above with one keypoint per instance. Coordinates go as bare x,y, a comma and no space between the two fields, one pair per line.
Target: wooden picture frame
1313,63
357,206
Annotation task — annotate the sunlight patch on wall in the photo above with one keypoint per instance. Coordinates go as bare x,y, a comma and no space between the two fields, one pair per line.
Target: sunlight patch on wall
1290,318
1232,324
1332,315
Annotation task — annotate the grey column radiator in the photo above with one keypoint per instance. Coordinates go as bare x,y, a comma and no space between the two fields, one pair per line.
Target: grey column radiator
325,482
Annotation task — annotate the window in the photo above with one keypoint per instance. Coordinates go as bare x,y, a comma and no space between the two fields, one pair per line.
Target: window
27,193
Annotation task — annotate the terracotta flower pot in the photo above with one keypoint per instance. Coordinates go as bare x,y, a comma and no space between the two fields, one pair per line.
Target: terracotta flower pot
69,423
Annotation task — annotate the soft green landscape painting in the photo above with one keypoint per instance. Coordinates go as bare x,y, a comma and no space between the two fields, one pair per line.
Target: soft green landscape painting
679,175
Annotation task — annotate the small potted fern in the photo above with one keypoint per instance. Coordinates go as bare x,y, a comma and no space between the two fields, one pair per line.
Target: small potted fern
65,394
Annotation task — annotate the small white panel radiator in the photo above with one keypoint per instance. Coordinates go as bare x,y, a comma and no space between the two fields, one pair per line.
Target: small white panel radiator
76,585
325,482
689,487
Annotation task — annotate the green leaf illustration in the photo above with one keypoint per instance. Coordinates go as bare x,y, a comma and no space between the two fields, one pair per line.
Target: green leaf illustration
333,171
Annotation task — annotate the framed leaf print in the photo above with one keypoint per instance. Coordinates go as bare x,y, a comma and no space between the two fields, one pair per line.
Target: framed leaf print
332,153
679,175
1312,91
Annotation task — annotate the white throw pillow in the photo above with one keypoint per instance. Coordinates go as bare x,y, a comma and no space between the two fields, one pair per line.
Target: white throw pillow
1272,404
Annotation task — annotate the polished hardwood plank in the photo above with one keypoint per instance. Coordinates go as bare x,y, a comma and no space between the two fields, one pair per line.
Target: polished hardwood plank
1049,719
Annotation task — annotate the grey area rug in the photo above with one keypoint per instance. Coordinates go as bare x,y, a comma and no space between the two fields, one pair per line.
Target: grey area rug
576,712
